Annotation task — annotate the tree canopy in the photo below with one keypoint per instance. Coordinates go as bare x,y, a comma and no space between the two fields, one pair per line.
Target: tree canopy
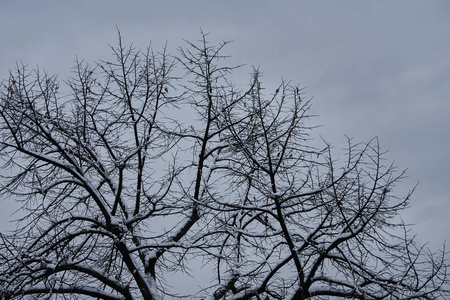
153,165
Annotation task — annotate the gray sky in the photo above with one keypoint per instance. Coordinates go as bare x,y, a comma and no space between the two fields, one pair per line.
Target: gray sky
375,68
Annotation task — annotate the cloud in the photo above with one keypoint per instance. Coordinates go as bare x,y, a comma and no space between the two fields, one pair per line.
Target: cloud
375,68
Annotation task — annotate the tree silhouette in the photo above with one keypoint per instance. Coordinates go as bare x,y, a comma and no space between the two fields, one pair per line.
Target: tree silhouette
134,172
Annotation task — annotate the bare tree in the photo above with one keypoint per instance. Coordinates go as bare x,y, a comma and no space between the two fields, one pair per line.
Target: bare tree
136,174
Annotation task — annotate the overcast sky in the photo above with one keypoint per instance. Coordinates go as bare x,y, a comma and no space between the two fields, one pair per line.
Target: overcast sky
375,68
